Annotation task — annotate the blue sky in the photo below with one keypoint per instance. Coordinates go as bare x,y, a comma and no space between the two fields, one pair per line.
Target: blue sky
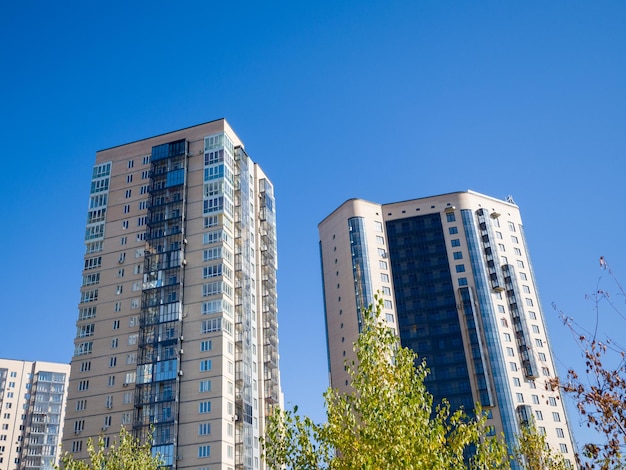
382,100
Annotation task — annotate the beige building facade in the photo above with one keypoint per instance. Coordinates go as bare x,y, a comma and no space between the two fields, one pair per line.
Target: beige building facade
177,323
32,410
458,288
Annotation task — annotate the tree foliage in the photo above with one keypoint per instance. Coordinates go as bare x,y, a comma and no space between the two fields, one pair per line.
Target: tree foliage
600,393
386,422
127,453
533,453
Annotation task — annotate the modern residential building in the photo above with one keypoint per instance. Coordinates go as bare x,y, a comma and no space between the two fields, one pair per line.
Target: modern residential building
458,287
32,409
177,321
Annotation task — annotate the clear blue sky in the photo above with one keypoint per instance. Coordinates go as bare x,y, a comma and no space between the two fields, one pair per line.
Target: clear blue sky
382,100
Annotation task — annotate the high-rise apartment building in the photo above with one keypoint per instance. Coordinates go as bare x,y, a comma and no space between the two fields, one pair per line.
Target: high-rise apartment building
458,288
32,409
177,322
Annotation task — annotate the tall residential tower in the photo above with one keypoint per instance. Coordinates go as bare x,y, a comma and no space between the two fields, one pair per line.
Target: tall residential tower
32,404
458,288
177,322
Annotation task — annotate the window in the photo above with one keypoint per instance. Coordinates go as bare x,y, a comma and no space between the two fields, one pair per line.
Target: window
552,401
523,276
545,371
83,385
516,382
511,226
384,277
520,263
386,290
77,446
85,366
382,253
206,365
563,448
111,381
112,361
85,330
559,432
204,451
388,304
131,163
116,324
460,268
204,407
131,358
119,289
501,247
378,226
532,315
89,296
529,302
519,397
204,429
499,235
93,263
513,366
462,281
146,159
204,386
517,251
539,415
206,345
538,343
535,399
457,255
114,343
535,329
556,417
79,425
82,348
129,397
455,242
382,264
510,352
542,357
450,217
453,230
133,321
514,238
129,193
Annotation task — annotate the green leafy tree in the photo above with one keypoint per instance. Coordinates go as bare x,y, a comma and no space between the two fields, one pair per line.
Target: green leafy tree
125,454
533,453
386,422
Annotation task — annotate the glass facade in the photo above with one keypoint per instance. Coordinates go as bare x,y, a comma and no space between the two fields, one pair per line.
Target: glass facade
426,305
360,266
160,333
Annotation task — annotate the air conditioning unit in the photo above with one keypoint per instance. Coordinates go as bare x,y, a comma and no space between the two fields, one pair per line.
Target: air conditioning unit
125,384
